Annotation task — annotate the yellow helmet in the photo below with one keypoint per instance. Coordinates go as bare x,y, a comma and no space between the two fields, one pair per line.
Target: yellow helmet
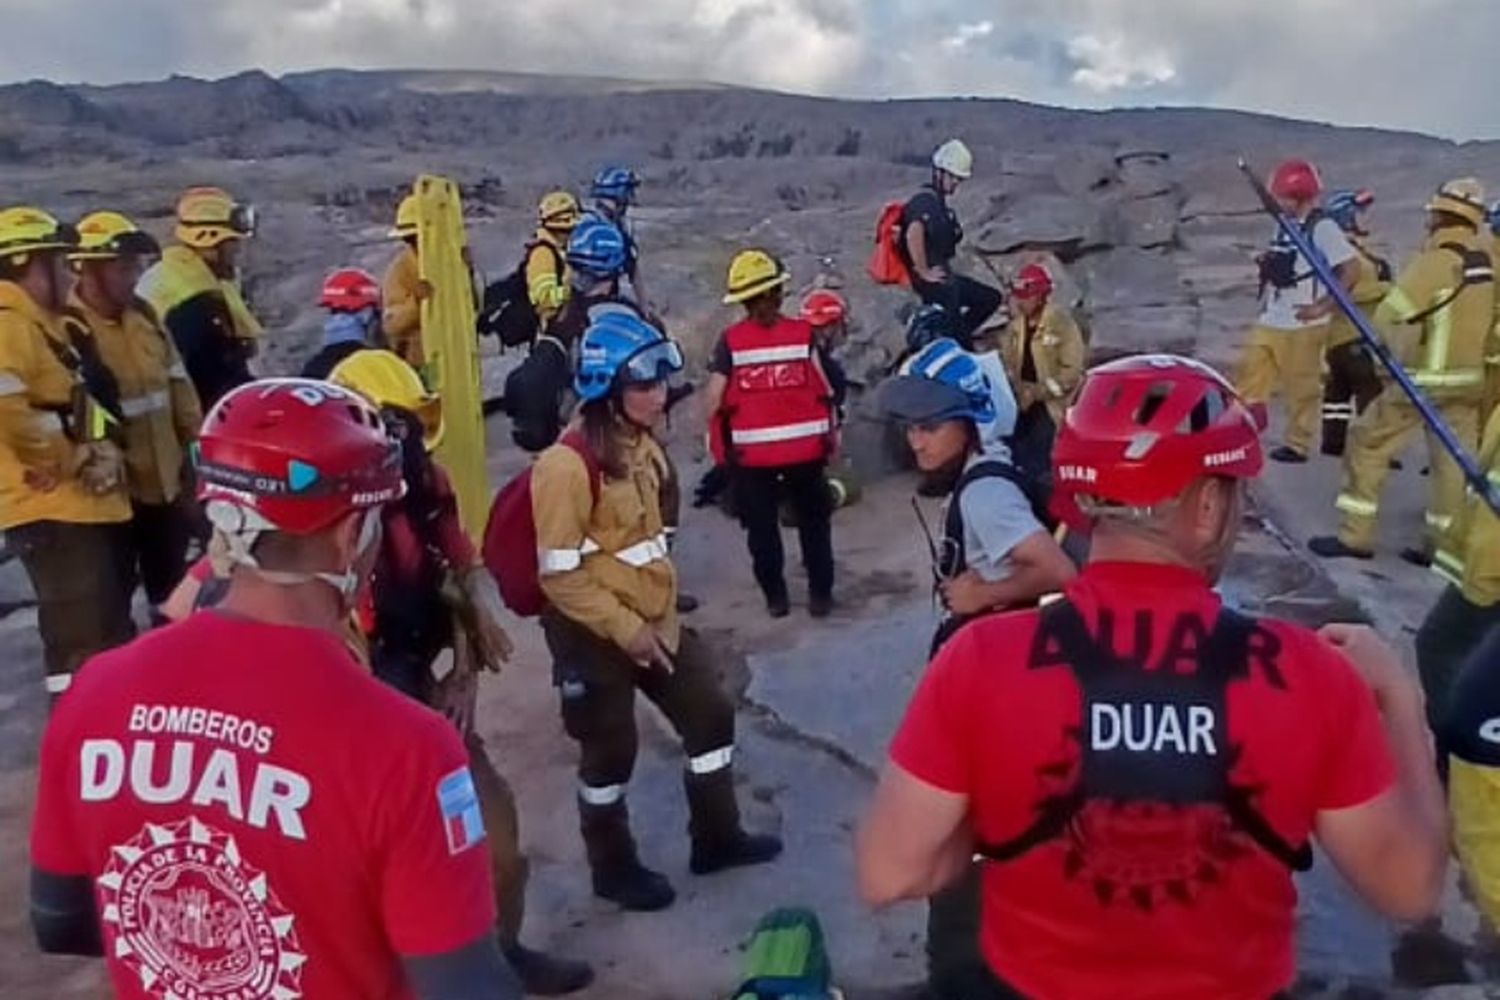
1464,198
406,219
208,216
753,273
25,230
387,381
558,210
107,235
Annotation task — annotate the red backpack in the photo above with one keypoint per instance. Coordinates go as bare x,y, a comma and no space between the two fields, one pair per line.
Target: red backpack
887,266
510,550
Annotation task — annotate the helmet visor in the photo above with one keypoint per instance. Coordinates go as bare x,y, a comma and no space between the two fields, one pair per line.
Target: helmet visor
652,363
244,220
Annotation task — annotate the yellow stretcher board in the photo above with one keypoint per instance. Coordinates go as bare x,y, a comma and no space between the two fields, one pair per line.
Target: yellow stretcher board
451,345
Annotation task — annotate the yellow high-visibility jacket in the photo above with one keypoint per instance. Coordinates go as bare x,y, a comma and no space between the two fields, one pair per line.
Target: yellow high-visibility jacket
547,276
401,318
1444,352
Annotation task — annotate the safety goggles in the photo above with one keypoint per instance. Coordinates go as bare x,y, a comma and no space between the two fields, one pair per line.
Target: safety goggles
244,219
653,363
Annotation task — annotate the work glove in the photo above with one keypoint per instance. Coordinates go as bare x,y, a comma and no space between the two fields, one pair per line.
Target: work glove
483,610
99,467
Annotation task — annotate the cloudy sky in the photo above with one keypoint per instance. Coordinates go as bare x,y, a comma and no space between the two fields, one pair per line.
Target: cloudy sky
1429,65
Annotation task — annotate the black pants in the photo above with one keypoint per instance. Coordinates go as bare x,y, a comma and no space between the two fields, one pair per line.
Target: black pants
1031,450
1352,385
159,537
956,970
598,683
969,302
83,577
1453,629
757,500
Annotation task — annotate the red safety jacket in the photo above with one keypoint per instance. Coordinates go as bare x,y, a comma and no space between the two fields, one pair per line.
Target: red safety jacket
778,404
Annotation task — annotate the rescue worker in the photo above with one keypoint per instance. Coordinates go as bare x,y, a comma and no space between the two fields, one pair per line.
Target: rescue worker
1044,354
1140,767
1492,349
157,400
403,289
612,626
1469,607
1472,756
350,300
930,323
195,292
1352,383
827,312
434,602
1436,320
347,810
993,555
930,236
1285,349
771,422
546,265
613,192
63,503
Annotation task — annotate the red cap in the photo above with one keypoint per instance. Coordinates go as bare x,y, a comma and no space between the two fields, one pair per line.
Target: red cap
1297,180
824,307
350,290
1145,428
299,454
1032,282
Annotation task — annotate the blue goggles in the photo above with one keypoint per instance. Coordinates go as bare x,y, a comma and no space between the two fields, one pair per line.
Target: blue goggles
652,363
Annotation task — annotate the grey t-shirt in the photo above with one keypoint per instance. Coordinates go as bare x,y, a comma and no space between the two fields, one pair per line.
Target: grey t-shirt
997,517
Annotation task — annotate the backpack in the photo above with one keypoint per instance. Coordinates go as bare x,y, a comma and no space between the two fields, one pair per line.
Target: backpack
507,312
510,549
787,959
953,527
887,266
534,394
1278,265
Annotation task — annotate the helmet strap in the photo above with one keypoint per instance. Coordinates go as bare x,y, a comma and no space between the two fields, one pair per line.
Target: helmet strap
236,532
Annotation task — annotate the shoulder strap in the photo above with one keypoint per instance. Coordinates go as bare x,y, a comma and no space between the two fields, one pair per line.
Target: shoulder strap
953,524
575,440
1477,270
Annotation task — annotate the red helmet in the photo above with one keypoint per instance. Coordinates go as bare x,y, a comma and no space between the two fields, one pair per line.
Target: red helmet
296,456
824,307
350,289
1145,428
1297,180
1032,282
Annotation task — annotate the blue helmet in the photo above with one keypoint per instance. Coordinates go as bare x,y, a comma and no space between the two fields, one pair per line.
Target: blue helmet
1344,207
616,183
941,382
598,248
1493,218
929,322
621,348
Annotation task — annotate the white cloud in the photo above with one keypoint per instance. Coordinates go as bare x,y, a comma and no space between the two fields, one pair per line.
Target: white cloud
967,33
1107,65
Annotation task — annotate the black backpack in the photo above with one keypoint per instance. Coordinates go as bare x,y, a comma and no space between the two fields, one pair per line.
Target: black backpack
507,311
953,526
1278,265
534,394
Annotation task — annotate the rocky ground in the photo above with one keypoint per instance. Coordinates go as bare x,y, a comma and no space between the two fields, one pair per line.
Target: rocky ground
1142,216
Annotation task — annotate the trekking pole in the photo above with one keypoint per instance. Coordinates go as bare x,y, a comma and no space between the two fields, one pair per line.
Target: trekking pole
1473,474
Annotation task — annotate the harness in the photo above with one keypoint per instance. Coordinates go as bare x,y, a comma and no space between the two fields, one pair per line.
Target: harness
1120,766
1478,270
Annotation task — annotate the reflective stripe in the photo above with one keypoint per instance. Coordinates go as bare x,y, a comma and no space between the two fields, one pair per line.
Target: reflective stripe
1439,522
606,796
1054,387
786,432
11,385
58,683
1448,566
139,406
714,760
1047,599
178,371
1457,378
553,561
1356,506
766,355
644,553
1401,304
1439,333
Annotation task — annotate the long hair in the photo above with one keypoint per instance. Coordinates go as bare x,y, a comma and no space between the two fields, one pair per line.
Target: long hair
603,435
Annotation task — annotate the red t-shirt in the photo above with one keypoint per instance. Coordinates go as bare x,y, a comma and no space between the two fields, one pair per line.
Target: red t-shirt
1141,900
259,816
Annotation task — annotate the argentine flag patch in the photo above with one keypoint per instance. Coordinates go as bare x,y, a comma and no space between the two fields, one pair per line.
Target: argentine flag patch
459,805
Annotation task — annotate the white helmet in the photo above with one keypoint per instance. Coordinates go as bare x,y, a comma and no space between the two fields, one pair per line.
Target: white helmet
953,157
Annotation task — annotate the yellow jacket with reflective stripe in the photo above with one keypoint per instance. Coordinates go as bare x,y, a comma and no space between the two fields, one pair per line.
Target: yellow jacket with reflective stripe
1474,800
580,543
1368,292
34,385
1475,567
1058,350
547,282
1446,354
402,315
181,276
162,414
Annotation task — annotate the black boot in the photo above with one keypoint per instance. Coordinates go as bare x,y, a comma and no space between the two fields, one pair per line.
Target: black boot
778,605
1330,547
719,843
542,975
618,874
